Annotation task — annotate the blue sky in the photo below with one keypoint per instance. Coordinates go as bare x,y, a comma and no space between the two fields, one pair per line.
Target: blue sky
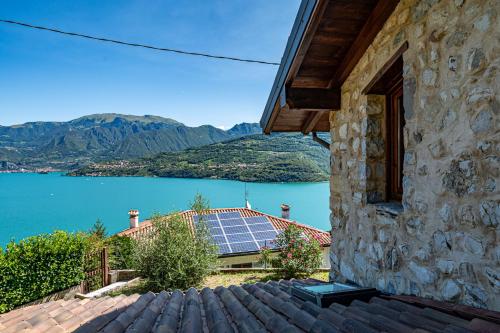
46,76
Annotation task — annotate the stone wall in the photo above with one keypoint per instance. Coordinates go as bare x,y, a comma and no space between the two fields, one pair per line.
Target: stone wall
445,241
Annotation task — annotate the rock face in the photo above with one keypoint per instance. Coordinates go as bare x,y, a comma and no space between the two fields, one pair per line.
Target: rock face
444,240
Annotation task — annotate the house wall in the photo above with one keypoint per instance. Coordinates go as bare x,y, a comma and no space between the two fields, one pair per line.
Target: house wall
226,262
445,243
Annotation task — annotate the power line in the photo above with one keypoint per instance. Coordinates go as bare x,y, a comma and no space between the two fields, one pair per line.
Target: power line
101,39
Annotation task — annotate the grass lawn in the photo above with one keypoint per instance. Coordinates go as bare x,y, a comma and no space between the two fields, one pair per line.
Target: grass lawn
227,279
221,279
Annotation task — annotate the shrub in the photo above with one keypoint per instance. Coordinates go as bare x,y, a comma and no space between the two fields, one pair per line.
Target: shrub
176,255
121,252
39,266
299,255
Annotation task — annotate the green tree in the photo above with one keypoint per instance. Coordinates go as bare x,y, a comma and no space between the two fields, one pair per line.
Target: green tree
200,205
98,229
299,254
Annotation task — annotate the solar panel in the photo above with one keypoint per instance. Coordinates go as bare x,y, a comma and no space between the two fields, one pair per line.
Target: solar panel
265,235
244,247
240,229
216,231
261,227
233,233
235,238
256,219
267,243
207,217
232,222
211,224
229,215
224,249
219,239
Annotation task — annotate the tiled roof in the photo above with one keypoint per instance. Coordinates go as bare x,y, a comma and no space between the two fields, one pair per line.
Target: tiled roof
279,223
262,307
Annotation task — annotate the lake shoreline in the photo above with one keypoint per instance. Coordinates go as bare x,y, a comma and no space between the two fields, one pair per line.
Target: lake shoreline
66,174
33,203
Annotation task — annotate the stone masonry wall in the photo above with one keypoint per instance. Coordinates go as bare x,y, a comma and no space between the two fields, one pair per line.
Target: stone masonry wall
445,243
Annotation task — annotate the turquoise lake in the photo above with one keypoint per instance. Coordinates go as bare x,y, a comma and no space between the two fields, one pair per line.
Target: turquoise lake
34,203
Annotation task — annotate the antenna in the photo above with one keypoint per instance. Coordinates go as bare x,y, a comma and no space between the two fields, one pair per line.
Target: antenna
247,204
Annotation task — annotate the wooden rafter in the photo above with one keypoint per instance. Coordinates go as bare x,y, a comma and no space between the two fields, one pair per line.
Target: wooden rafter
311,121
306,41
370,29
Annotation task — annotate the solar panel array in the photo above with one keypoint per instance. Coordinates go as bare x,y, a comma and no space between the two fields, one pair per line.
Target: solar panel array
233,233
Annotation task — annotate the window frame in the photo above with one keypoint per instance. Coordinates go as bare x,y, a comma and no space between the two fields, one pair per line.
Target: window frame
395,123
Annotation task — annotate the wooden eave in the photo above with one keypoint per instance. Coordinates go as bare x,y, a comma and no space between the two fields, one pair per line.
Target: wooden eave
328,39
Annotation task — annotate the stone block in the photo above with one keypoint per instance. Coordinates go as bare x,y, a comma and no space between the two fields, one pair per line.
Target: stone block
473,245
489,211
493,277
445,266
482,122
475,296
450,290
475,60
346,271
479,94
423,274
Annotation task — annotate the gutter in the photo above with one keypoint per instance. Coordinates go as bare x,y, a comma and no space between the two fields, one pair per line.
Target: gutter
304,15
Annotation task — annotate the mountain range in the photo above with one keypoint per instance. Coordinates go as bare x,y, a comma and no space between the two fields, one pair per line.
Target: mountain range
100,137
254,158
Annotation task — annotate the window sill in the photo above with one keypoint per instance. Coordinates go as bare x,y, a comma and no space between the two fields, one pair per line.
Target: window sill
392,209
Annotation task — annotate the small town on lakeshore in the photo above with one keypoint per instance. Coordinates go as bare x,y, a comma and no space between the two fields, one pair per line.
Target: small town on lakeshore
358,195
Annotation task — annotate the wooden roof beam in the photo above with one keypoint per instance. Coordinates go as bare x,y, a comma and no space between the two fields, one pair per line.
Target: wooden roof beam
383,9
311,121
313,99
307,39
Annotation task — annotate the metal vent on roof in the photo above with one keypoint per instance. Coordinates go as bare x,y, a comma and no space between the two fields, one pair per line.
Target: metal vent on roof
324,294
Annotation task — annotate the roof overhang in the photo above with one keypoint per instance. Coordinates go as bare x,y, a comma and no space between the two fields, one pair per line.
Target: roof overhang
328,39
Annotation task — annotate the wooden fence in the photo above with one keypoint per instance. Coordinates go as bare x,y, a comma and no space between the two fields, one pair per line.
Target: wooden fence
96,266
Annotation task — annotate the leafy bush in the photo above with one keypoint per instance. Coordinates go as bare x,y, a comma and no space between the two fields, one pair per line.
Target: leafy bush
176,255
299,255
121,252
39,266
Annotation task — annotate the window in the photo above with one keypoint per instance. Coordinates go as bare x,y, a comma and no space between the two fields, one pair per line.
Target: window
385,92
244,265
395,148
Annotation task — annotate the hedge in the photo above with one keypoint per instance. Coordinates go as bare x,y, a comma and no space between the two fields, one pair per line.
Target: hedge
39,266
121,252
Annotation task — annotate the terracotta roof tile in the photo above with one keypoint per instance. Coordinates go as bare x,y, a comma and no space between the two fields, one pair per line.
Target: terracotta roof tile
279,223
261,307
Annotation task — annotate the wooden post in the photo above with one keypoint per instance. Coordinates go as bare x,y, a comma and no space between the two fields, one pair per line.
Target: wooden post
104,266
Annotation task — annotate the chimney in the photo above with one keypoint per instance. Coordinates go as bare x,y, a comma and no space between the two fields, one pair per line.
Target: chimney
134,218
285,211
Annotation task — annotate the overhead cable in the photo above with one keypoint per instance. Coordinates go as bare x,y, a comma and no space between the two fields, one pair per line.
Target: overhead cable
164,49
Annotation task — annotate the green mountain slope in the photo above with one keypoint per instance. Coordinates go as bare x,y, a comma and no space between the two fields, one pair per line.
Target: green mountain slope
275,158
109,136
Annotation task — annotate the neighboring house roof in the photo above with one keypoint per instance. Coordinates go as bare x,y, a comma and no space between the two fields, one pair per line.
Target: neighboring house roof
262,307
279,223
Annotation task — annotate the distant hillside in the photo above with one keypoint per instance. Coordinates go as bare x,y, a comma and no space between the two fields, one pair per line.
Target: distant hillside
100,137
261,158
